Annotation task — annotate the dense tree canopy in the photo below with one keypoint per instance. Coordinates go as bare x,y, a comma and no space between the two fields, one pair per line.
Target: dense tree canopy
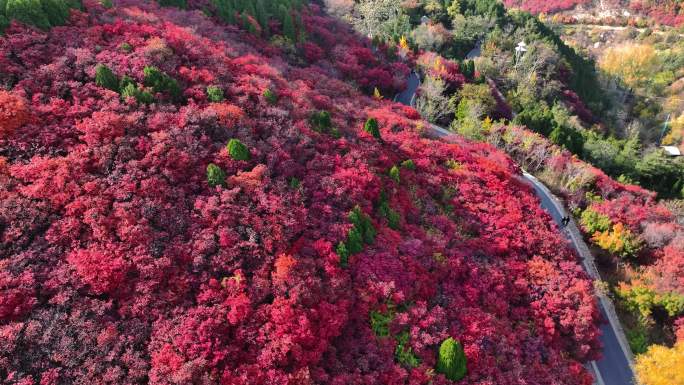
138,246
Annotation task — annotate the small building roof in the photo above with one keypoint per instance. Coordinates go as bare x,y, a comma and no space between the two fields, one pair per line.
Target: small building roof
671,150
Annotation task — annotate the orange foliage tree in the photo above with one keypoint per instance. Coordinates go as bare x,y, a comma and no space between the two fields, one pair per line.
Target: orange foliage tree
14,113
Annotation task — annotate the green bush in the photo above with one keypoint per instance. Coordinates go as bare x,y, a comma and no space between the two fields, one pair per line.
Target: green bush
295,183
637,339
408,164
393,217
215,94
320,121
237,150
354,241
362,232
105,78
126,81
161,82
451,361
395,174
404,353
380,321
270,96
133,91
372,128
567,137
343,253
593,221
106,3
363,223
215,176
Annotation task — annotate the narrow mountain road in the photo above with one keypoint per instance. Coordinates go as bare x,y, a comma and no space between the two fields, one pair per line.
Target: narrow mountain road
615,367
408,96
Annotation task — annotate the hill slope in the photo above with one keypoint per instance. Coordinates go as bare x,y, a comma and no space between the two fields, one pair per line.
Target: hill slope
322,254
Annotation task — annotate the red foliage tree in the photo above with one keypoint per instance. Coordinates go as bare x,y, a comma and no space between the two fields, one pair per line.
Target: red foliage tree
120,264
14,113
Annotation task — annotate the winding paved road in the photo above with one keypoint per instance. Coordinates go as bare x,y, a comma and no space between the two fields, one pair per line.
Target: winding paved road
615,367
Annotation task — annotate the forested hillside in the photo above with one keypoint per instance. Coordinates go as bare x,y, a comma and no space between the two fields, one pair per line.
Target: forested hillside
625,12
205,194
590,131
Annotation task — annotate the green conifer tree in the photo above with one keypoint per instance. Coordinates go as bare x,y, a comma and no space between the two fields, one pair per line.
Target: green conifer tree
354,241
140,95
343,253
161,82
215,176
451,361
395,174
270,96
105,78
372,128
215,94
237,150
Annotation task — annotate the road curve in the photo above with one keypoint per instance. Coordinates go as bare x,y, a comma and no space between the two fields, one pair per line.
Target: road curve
616,365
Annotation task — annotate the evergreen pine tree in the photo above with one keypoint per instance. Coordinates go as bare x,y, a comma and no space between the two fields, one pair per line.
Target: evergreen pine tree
451,361
237,150
105,78
215,175
394,174
354,241
372,128
343,253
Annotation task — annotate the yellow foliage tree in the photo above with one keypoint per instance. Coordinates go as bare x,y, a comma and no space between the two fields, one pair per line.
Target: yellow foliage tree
618,240
661,365
403,44
676,134
376,94
635,64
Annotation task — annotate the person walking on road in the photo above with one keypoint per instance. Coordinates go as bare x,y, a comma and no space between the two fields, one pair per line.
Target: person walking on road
565,221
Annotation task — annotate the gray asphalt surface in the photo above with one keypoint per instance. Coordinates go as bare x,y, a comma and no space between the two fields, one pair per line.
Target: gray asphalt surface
406,97
613,368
